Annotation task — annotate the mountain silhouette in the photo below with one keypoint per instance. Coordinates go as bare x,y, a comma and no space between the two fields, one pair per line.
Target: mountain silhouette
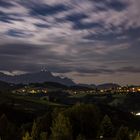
38,77
108,86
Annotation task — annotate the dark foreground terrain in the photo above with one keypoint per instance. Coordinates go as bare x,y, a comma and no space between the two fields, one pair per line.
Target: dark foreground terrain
68,117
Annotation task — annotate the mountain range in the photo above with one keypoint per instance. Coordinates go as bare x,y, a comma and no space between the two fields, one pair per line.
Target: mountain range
38,77
46,76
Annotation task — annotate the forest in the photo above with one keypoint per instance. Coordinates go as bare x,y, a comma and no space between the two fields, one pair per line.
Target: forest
77,122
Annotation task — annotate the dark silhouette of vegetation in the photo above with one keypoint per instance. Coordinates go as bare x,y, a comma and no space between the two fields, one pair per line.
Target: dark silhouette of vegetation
123,133
106,127
61,128
64,117
78,122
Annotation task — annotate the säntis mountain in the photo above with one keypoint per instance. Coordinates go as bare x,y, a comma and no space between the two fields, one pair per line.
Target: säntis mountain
39,77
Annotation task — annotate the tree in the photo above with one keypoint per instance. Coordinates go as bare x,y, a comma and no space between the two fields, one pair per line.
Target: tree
137,136
44,122
34,132
27,136
80,137
3,126
133,135
41,124
43,136
7,129
61,128
23,129
106,127
84,119
123,134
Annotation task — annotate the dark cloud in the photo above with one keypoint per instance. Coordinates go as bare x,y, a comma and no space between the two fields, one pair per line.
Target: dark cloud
76,17
129,69
44,9
9,17
95,71
20,57
4,17
117,5
130,35
80,25
18,50
40,25
6,4
16,33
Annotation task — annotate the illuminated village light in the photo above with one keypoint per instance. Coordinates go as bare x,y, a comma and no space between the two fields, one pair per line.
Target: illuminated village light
138,114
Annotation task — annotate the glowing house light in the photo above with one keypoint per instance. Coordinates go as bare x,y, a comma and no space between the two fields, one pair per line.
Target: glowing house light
138,114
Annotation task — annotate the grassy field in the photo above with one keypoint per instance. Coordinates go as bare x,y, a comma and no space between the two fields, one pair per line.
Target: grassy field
27,103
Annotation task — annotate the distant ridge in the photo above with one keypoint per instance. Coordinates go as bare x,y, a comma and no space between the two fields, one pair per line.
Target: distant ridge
38,77
100,86
108,86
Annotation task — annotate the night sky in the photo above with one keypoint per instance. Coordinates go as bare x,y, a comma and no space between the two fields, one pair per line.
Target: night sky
89,41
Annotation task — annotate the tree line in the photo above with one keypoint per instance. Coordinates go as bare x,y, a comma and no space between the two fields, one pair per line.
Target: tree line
79,122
